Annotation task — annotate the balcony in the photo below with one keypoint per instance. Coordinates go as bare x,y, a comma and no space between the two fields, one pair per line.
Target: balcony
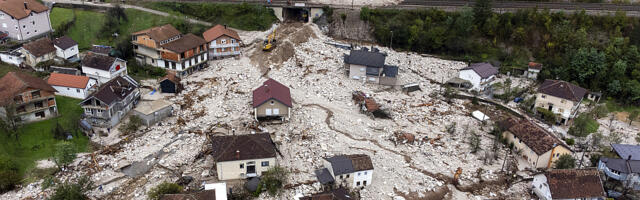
228,53
224,45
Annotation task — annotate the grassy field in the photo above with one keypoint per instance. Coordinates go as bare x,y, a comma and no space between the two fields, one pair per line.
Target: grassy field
614,106
87,27
36,140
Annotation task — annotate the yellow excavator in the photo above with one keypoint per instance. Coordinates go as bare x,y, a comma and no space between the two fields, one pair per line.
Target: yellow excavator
270,42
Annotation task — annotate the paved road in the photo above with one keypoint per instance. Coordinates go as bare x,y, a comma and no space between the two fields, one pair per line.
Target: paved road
108,5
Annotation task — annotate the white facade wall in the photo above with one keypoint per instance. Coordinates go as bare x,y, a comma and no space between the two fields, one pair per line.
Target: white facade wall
11,59
105,76
362,178
67,53
78,93
26,28
229,170
540,187
472,77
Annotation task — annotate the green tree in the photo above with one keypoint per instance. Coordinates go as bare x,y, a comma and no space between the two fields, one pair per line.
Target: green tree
474,142
599,111
162,189
11,123
482,11
9,176
585,63
132,125
633,115
64,154
566,161
73,191
274,179
583,125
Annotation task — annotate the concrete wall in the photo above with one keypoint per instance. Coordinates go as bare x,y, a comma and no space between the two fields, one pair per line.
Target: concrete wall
278,12
153,118
79,93
283,110
229,170
357,71
540,187
26,28
472,77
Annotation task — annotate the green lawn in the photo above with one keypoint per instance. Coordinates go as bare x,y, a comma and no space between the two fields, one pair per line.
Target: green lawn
36,140
614,106
88,25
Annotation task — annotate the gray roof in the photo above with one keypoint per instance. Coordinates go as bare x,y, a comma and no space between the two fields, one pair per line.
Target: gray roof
366,58
622,165
390,71
626,150
341,165
324,176
484,70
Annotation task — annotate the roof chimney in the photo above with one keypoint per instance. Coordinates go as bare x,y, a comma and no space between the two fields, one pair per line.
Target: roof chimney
238,154
25,6
225,26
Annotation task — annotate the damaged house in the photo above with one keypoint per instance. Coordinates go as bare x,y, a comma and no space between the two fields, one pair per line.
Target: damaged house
537,146
369,66
31,98
222,41
346,170
113,100
568,184
243,156
272,100
561,98
625,169
40,50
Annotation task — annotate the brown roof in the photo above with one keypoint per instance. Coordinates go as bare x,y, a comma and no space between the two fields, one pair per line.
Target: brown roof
536,138
243,147
360,162
217,31
160,33
574,183
40,47
16,8
185,43
116,89
202,195
271,89
534,65
64,42
171,76
337,194
14,83
67,80
98,61
562,89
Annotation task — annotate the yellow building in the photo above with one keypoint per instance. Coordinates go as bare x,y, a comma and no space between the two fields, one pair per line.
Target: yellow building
537,146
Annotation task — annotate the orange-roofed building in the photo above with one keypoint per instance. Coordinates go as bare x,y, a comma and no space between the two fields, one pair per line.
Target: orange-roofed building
71,85
222,41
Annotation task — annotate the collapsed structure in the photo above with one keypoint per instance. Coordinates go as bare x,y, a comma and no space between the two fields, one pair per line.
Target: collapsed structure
537,146
369,66
113,100
29,98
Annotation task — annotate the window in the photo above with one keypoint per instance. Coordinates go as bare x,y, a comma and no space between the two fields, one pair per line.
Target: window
358,173
233,40
78,90
35,31
543,96
223,41
68,88
87,110
38,104
265,163
365,173
347,175
24,26
241,166
272,102
340,176
33,22
562,101
364,183
358,183
40,114
27,33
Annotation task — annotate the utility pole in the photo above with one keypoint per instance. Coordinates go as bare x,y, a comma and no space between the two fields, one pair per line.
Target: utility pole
391,43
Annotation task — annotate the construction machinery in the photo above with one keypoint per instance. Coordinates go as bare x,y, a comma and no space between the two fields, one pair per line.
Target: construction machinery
270,42
456,176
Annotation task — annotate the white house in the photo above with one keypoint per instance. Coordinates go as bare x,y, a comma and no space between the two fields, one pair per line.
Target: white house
24,19
568,184
479,74
533,70
347,170
71,85
103,68
13,57
66,48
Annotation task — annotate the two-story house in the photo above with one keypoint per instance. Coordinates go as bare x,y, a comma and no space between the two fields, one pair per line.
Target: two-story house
222,41
568,184
561,98
533,70
111,102
272,100
71,85
103,68
40,50
243,156
369,66
346,170
66,48
536,145
166,47
29,97
625,169
24,19
480,75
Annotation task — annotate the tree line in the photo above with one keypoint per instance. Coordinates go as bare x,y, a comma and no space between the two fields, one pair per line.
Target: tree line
599,53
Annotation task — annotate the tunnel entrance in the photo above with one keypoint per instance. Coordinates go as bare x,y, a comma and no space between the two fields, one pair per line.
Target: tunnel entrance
295,14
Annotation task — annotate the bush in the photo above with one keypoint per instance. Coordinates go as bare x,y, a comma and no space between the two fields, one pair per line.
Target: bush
570,141
132,125
162,189
65,153
547,115
583,125
273,179
73,191
566,161
147,71
9,176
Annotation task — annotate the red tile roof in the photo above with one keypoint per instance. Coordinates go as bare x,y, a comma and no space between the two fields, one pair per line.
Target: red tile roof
14,83
160,33
217,31
534,65
16,8
562,89
271,89
67,80
575,183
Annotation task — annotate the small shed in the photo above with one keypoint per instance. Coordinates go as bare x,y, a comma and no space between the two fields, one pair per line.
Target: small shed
153,111
170,83
479,115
